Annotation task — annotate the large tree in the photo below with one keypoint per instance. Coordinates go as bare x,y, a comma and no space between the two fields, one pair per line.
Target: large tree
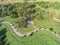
26,12
3,40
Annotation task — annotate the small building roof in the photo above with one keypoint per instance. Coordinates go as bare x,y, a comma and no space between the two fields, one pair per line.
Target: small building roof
29,22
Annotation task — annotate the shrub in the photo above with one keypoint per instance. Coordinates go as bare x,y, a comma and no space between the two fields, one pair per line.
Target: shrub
54,32
51,29
25,35
31,33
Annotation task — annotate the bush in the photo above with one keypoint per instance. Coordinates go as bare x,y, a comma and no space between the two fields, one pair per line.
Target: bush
51,29
25,35
31,33
54,32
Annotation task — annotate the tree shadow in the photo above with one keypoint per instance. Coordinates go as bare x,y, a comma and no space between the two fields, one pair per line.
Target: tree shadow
3,40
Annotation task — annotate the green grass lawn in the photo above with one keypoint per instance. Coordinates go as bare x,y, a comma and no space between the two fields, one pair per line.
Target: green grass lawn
39,38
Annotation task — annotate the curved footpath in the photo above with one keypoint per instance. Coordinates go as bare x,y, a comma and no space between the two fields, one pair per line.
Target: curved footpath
56,19
19,34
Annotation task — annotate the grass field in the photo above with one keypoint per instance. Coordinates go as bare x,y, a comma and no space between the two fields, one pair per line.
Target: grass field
41,37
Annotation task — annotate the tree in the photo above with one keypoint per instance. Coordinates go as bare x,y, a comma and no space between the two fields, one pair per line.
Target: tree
3,40
21,22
